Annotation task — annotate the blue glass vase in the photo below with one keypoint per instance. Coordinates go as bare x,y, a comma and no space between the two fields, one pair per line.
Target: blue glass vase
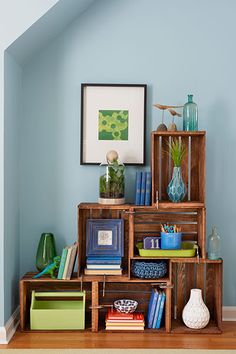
190,115
176,189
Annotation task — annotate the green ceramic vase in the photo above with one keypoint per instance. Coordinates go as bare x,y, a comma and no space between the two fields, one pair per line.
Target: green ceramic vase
46,251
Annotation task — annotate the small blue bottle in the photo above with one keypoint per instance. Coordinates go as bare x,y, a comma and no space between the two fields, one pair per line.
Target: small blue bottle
190,115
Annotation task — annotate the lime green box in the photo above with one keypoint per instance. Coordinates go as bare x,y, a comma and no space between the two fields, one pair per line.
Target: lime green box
57,310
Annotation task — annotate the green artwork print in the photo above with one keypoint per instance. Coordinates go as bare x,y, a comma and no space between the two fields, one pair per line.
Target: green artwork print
113,125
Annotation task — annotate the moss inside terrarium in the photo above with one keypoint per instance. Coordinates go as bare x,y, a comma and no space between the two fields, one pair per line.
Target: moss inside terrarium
112,182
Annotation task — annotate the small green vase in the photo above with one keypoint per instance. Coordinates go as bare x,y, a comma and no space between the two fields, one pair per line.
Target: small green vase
46,251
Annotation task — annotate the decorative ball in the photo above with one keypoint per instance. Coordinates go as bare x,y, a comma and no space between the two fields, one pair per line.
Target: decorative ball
172,127
162,127
112,156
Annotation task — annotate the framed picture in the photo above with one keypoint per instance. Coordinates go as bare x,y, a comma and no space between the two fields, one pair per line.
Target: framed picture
113,117
105,237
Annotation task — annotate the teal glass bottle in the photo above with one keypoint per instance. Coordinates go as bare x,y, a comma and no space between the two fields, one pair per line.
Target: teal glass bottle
190,115
46,251
214,245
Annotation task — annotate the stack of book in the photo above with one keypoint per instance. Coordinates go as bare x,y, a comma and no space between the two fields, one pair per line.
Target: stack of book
116,321
67,263
99,265
143,188
156,308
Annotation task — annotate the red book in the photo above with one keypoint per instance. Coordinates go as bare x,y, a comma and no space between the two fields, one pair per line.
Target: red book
115,315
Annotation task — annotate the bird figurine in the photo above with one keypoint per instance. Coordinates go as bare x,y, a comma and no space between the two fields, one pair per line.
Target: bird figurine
162,126
51,269
172,126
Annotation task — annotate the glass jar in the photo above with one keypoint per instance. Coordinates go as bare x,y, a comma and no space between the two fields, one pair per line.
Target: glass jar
214,245
112,183
46,251
190,115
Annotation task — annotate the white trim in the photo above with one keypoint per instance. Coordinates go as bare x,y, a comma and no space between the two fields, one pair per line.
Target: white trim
7,332
229,313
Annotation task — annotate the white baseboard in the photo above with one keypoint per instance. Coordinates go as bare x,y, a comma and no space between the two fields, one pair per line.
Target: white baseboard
229,313
7,332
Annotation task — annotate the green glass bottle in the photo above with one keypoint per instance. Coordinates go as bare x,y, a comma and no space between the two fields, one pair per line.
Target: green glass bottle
190,115
46,251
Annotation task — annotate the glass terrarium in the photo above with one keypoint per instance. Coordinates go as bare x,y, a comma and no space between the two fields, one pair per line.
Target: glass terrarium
112,181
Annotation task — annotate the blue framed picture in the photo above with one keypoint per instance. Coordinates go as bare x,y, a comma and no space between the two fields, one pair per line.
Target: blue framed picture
105,237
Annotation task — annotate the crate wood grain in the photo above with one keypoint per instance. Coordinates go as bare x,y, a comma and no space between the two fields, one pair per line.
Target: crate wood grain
193,166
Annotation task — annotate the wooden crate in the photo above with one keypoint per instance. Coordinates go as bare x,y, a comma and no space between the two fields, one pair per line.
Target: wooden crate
97,211
193,167
28,284
146,221
206,275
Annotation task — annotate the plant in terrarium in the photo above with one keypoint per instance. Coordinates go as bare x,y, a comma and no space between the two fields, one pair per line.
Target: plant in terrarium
112,180
176,189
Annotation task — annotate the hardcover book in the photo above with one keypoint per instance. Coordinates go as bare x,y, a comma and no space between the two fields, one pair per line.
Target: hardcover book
138,187
143,188
148,189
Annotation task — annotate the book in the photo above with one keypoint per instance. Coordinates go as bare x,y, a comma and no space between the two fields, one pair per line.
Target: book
128,328
62,263
161,310
103,271
138,187
103,260
67,262
72,260
148,189
151,310
157,309
143,186
115,315
103,266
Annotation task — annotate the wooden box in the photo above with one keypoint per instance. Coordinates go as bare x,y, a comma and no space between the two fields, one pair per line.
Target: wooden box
193,167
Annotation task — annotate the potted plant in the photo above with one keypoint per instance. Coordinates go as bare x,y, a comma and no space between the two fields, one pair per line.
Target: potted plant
112,180
176,189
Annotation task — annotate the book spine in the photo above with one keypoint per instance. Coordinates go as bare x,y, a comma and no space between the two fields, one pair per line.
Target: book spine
71,261
148,189
143,185
152,310
157,310
62,263
138,187
67,263
161,310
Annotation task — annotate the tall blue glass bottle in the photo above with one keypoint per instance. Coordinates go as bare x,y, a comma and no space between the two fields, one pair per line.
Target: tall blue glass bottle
190,115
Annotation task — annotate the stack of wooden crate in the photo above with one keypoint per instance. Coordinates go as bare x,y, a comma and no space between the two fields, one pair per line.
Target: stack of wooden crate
183,273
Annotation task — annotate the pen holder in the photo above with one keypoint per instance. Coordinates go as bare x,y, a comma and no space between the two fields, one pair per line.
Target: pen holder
171,241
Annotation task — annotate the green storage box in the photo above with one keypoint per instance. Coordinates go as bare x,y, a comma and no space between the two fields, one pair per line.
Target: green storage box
188,249
57,310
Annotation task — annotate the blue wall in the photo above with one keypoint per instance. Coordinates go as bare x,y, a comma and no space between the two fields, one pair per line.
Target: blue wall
173,47
12,86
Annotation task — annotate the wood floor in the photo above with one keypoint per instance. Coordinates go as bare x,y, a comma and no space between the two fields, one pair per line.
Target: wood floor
226,340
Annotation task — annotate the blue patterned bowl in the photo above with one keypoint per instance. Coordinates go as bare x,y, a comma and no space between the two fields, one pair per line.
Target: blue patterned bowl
149,270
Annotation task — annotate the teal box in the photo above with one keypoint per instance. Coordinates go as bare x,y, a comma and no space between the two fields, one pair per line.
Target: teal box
57,310
171,241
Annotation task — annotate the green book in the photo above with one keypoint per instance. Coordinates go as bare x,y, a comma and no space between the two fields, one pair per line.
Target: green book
62,263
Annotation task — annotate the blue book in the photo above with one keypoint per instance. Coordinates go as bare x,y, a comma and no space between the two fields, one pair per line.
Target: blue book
62,263
148,189
143,186
157,309
138,182
152,305
161,310
103,260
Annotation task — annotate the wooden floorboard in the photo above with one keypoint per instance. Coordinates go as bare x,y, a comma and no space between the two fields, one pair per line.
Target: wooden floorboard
226,340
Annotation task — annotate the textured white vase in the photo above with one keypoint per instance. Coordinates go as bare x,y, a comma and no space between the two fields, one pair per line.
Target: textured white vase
195,313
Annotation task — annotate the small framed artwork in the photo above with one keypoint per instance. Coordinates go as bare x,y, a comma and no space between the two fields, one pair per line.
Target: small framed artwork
105,237
113,117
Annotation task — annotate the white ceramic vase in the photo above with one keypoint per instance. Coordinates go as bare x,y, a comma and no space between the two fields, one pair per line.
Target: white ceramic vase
195,313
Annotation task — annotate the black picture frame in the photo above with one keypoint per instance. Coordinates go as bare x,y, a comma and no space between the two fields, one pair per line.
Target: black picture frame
91,145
